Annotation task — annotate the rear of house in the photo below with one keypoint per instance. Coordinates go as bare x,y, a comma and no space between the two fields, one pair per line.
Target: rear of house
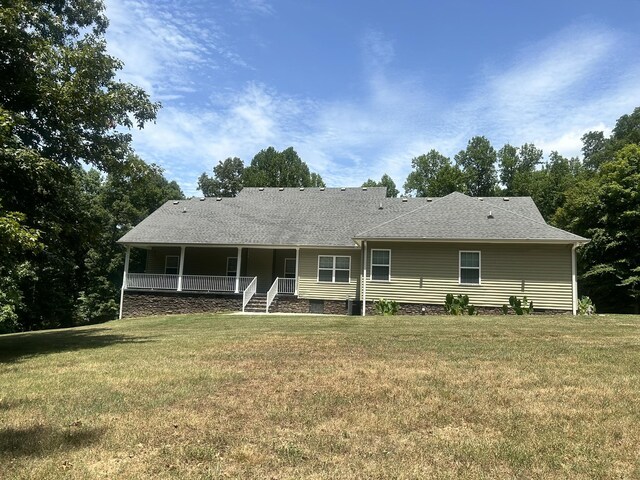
335,250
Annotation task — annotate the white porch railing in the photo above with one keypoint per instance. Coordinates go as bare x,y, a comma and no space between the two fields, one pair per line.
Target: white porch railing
249,292
287,285
152,281
197,283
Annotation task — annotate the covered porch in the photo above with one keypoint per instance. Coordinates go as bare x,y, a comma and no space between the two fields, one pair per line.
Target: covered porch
241,271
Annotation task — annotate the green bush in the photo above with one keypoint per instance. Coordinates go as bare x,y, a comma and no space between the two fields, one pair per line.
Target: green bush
520,307
586,306
386,307
458,305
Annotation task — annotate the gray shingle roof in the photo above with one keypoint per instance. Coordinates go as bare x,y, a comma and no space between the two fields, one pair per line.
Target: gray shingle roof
335,217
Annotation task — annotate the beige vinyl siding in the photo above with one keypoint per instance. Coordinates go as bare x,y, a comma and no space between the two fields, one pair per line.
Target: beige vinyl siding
426,272
308,285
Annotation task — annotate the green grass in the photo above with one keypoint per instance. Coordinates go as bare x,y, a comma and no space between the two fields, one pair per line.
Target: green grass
324,397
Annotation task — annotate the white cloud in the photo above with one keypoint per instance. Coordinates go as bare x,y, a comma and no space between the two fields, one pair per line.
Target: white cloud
550,94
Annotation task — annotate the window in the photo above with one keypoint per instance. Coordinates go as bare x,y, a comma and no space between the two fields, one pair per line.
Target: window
289,268
381,265
232,266
334,269
470,268
171,263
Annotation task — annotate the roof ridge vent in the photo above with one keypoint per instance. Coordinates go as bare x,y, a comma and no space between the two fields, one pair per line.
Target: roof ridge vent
218,199
364,189
505,199
261,189
322,189
202,199
302,189
342,189
281,189
405,199
481,199
176,202
429,199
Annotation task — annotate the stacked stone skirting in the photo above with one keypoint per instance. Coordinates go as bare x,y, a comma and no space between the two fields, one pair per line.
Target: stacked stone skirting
140,303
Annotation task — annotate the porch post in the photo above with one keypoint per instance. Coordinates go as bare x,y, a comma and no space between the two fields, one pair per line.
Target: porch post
181,269
574,282
364,279
124,279
238,265
297,262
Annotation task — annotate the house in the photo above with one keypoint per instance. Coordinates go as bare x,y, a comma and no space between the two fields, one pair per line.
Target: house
333,250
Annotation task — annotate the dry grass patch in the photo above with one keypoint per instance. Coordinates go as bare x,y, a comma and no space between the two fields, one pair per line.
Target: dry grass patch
291,397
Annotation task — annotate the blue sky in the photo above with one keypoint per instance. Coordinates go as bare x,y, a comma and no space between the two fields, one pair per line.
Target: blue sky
359,88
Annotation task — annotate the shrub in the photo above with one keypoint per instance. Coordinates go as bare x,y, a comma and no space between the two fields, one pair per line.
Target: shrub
386,307
586,306
458,305
520,307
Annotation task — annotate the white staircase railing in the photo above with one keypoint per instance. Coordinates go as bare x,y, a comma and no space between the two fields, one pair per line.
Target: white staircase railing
249,292
271,294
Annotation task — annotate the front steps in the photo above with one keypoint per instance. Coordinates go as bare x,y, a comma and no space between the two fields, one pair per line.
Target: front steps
257,304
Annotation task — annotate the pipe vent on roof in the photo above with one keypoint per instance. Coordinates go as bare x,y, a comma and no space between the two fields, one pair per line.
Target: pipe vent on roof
261,189
490,214
184,209
175,202
505,199
380,207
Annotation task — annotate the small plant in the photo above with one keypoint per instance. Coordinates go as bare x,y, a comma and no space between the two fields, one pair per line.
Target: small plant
458,305
386,307
586,306
520,307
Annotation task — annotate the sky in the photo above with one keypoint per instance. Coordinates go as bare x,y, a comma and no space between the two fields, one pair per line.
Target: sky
360,87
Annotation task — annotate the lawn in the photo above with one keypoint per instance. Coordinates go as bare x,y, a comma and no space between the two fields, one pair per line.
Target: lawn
275,397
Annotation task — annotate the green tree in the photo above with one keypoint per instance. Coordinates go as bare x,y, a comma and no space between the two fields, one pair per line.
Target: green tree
226,180
387,182
433,175
61,106
270,168
477,163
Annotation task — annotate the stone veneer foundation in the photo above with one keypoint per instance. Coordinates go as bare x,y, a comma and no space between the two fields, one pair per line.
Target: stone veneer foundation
140,303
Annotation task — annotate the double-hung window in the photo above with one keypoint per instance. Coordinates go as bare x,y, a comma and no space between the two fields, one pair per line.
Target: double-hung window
171,264
289,268
469,268
381,265
334,269
232,266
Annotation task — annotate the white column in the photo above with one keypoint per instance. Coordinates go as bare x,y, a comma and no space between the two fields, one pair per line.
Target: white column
124,279
238,265
364,279
181,269
297,262
574,281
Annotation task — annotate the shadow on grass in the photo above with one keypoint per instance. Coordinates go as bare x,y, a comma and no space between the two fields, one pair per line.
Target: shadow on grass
16,347
42,440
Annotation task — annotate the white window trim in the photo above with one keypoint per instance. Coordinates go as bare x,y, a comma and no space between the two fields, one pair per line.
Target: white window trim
177,267
236,270
479,267
292,259
333,269
371,264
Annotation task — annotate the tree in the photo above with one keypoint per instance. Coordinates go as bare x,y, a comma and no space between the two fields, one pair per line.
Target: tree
477,163
270,168
226,180
433,175
387,182
60,107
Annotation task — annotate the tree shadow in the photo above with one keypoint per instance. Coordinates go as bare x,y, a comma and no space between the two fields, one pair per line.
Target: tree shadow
42,440
19,346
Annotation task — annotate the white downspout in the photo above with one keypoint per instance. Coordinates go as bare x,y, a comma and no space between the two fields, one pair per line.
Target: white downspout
124,280
364,280
182,248
574,281
238,266
297,262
